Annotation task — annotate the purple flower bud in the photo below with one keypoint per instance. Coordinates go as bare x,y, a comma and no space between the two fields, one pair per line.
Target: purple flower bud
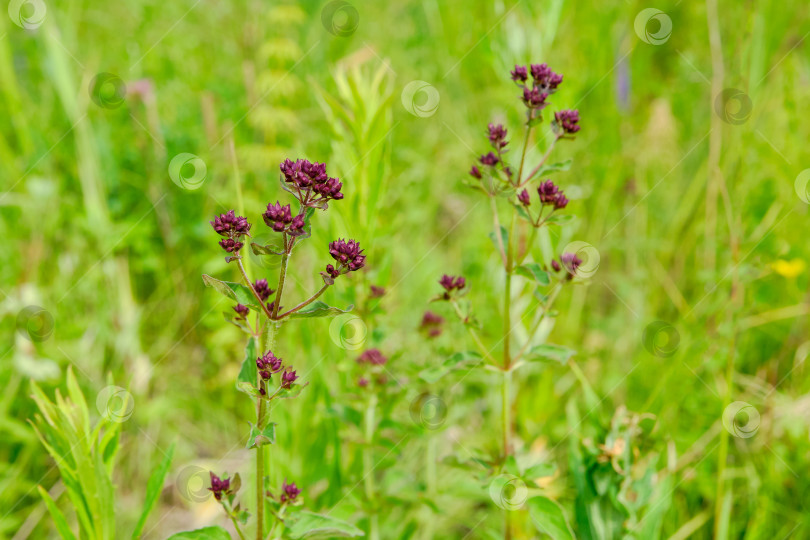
347,254
570,262
377,292
566,121
431,324
332,271
555,265
362,382
547,192
313,185
497,136
489,159
230,225
523,198
450,283
241,311
560,201
373,357
230,245
219,486
534,98
289,492
288,378
545,78
268,364
519,74
475,172
263,289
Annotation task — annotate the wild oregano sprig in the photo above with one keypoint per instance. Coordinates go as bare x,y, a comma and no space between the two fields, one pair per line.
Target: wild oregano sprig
535,202
264,375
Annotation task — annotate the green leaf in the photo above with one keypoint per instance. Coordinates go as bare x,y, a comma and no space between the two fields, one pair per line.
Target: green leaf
557,353
309,525
549,518
535,272
455,362
293,391
261,437
58,518
247,388
236,291
208,533
153,488
554,167
249,373
319,309
540,470
560,219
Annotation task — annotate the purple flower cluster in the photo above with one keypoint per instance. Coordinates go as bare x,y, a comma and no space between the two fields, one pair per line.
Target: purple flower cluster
219,486
497,136
241,311
232,227
566,121
263,289
490,159
451,283
551,195
373,357
348,255
313,187
280,219
288,378
289,492
431,324
570,262
268,364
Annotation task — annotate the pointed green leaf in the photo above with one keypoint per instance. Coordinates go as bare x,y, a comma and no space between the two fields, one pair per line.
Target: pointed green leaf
249,373
153,488
309,525
261,437
557,353
455,362
535,272
58,518
549,518
293,391
560,219
247,388
236,291
318,309
504,238
555,167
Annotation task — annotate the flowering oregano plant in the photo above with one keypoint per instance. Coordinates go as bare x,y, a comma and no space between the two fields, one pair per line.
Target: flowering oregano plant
259,312
534,202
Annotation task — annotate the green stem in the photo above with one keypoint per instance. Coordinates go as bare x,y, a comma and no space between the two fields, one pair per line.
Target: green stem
250,286
507,359
472,331
525,145
542,162
238,530
305,303
266,339
282,275
368,467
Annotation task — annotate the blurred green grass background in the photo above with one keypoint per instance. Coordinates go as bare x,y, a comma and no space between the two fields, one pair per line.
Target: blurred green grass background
696,220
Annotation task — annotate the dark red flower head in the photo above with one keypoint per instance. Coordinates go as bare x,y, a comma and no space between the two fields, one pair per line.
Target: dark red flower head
570,262
263,289
431,324
497,136
523,198
475,172
489,159
451,283
373,357
547,192
219,486
377,292
313,187
288,378
289,492
230,245
566,121
280,219
241,311
560,201
534,98
268,364
348,255
230,225
519,74
545,78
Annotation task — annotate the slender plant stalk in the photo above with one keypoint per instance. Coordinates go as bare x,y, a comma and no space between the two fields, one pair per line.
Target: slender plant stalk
236,526
282,274
305,303
368,466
